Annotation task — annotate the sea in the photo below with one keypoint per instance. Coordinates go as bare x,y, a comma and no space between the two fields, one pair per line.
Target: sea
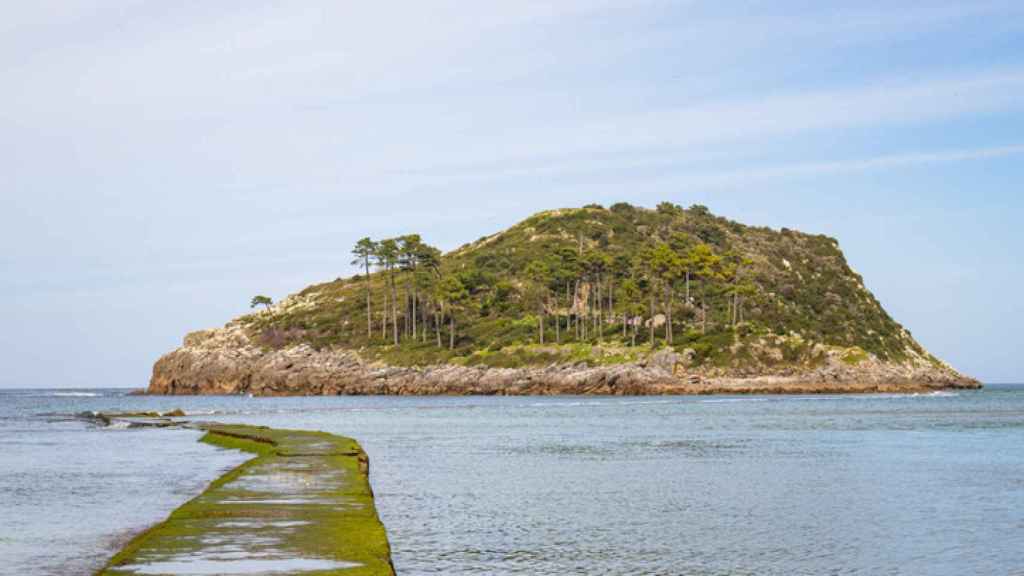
887,484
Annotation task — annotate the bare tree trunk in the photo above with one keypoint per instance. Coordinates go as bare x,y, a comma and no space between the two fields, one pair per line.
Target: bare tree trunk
422,310
558,321
735,306
611,300
579,312
633,343
451,331
394,306
583,318
369,312
568,312
668,314
384,318
653,291
438,315
540,318
704,314
588,327
587,311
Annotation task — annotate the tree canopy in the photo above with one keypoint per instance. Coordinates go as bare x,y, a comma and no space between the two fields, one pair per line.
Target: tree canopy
622,276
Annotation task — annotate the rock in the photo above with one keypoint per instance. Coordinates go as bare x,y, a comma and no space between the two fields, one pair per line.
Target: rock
658,320
226,362
666,359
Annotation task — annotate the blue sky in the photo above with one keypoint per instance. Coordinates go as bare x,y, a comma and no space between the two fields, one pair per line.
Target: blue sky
163,162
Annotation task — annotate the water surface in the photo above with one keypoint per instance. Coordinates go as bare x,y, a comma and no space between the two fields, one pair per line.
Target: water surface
846,485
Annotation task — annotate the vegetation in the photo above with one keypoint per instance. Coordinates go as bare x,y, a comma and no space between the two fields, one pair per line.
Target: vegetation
261,300
337,524
594,278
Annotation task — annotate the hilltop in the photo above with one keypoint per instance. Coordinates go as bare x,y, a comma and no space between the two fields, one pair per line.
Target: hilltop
586,300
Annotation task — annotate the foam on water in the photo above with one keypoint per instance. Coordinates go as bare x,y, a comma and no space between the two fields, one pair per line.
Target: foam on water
731,400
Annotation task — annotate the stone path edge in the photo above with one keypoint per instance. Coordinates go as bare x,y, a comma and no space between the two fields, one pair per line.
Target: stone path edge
357,537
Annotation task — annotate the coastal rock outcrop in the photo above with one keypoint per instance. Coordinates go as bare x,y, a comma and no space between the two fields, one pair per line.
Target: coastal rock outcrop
591,300
227,361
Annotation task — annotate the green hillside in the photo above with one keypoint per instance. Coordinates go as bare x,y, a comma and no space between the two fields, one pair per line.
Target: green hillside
583,284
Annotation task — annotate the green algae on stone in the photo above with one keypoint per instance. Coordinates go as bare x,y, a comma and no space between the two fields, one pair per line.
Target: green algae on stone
303,505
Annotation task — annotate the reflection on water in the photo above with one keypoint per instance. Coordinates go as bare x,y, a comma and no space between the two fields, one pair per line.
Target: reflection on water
852,485
221,566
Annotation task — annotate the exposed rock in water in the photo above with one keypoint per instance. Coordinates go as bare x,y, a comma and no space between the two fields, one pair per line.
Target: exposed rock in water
134,419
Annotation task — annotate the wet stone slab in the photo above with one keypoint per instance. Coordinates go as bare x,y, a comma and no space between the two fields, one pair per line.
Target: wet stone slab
302,505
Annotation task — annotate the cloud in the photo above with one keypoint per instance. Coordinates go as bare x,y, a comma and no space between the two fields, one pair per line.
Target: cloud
742,176
658,138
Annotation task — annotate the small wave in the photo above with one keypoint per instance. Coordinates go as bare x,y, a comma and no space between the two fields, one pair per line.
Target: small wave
724,400
901,396
564,404
74,394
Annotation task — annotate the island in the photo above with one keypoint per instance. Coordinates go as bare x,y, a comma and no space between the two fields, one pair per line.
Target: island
618,300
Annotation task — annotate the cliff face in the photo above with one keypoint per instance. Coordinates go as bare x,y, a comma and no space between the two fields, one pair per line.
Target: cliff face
225,361
591,300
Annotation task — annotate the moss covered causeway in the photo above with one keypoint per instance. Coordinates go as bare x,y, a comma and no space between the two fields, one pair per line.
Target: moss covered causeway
303,505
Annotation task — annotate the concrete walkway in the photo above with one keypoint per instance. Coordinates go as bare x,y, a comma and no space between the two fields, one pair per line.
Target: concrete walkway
303,505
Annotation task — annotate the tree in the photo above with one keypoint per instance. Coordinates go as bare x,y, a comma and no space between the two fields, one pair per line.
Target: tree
540,276
425,275
451,291
387,257
629,302
565,270
733,264
409,247
706,266
261,300
664,265
668,208
682,243
596,264
363,251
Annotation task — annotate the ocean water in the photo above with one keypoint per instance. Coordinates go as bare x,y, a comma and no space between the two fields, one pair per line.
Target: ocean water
754,485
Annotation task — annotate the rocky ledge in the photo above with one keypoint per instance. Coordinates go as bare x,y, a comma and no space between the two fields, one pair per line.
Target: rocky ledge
226,361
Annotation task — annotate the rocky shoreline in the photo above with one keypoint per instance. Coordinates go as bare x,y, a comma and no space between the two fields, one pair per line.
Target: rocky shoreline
225,361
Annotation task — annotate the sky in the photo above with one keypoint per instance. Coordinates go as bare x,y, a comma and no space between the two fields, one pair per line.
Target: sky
162,162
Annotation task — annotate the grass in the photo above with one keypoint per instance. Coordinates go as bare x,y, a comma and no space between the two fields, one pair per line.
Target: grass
854,356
